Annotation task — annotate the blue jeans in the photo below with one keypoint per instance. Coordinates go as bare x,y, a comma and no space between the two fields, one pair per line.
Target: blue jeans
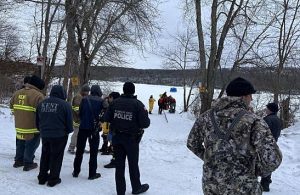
25,149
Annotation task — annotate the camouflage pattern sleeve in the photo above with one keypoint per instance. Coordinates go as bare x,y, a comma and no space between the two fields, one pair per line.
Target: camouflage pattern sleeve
195,139
269,156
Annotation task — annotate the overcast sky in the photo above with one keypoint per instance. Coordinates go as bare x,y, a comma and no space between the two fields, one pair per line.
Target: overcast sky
171,18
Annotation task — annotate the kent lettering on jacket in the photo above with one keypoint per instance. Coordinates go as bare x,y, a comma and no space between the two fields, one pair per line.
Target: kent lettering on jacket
49,107
123,115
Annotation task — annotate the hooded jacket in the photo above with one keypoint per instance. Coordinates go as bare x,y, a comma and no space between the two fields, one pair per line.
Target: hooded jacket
274,124
231,166
90,108
23,104
54,115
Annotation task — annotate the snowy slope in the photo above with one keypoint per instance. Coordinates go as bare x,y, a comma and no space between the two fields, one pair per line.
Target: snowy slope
165,162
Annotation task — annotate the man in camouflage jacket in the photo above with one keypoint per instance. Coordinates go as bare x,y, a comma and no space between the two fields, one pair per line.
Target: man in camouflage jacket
235,144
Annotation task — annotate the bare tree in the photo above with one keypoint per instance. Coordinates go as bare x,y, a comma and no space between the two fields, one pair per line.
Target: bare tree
51,26
104,28
222,16
287,25
49,20
72,52
247,33
9,38
226,38
283,48
183,56
9,44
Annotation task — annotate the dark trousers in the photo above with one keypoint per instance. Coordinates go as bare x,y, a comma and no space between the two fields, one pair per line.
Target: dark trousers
126,145
104,146
25,149
52,158
83,135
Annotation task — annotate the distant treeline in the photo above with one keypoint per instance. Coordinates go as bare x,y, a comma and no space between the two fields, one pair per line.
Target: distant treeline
262,78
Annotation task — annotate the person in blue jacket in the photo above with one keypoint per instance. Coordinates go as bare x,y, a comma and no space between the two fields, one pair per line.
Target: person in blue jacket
54,121
89,111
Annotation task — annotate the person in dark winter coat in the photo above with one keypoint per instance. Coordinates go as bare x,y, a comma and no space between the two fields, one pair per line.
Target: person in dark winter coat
105,149
84,91
112,96
127,117
54,121
275,125
89,128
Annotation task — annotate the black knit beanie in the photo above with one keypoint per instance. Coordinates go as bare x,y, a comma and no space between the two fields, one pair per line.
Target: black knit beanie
37,82
239,87
128,88
114,95
85,88
273,107
26,79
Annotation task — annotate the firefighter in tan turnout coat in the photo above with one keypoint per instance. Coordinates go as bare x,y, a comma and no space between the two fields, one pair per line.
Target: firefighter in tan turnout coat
23,105
84,91
235,144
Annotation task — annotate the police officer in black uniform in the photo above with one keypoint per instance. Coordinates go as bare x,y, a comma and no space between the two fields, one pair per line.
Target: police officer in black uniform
127,117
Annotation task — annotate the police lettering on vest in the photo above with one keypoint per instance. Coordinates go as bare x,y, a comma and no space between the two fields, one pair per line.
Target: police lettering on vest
119,114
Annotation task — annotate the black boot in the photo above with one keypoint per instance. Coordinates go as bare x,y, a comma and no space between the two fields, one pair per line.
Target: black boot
143,188
18,164
104,146
265,183
54,182
265,187
75,174
30,166
96,176
112,164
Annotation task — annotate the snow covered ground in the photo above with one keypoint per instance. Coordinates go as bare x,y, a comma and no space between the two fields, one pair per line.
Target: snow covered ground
165,162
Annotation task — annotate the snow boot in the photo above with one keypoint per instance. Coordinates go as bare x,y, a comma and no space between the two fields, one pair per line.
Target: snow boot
110,165
266,188
54,183
18,164
265,183
96,176
143,188
75,174
28,167
42,179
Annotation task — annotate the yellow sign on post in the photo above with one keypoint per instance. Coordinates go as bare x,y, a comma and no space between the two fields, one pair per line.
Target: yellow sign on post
202,88
75,81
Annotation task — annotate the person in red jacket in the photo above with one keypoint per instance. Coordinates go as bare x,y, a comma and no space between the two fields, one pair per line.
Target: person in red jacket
172,103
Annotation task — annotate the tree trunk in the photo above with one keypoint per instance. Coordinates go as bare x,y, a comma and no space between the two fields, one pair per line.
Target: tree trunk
72,52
